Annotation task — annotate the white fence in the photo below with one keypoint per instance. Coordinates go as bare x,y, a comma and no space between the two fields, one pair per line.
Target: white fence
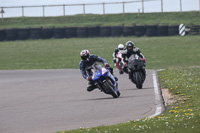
136,6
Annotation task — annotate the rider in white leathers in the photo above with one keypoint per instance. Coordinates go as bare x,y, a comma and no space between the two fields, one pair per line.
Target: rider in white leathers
118,59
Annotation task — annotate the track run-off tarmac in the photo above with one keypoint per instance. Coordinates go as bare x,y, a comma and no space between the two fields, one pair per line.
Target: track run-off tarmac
47,101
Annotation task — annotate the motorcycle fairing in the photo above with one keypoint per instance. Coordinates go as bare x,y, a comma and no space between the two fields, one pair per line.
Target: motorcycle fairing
103,72
135,62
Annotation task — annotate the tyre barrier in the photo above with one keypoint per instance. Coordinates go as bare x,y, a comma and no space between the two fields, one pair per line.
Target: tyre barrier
70,32
116,31
93,31
47,33
163,30
59,32
82,32
23,34
151,30
102,31
173,30
11,34
2,35
35,33
105,31
140,31
194,30
129,30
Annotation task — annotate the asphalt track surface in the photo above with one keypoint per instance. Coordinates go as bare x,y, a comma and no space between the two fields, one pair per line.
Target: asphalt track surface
47,101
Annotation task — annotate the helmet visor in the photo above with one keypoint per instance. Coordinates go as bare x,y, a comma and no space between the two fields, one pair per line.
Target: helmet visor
84,58
129,48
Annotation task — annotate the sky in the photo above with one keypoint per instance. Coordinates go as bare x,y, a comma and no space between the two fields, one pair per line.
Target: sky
150,6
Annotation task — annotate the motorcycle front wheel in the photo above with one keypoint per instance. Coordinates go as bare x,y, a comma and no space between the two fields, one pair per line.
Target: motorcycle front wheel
110,89
138,79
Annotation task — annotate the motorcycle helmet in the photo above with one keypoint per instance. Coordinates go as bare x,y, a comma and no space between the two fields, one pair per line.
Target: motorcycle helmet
120,46
129,45
85,55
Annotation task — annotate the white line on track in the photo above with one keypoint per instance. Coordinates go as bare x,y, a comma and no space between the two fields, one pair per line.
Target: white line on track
157,96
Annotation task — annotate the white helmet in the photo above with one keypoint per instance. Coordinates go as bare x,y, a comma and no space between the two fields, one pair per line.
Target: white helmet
121,46
85,55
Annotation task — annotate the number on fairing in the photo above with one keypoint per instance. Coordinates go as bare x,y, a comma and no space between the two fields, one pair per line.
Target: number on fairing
103,71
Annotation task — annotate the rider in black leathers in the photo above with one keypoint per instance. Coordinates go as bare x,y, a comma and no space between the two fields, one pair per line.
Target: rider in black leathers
131,49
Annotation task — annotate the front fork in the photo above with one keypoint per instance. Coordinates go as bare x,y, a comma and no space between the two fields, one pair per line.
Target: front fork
99,85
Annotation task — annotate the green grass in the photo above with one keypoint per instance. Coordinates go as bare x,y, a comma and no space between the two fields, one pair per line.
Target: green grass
182,117
160,52
174,54
188,18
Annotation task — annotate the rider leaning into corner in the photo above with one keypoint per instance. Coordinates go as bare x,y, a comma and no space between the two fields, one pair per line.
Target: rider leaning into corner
85,65
131,49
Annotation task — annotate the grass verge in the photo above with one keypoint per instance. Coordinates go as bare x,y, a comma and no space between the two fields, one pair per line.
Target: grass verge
183,116
160,52
163,52
171,18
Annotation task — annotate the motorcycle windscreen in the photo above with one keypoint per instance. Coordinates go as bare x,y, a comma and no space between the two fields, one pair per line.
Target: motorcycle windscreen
134,62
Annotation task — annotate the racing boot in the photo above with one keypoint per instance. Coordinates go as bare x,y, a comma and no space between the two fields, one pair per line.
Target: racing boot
91,86
121,72
125,69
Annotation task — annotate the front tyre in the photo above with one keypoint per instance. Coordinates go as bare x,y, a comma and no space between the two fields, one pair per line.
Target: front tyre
143,75
118,93
110,89
138,79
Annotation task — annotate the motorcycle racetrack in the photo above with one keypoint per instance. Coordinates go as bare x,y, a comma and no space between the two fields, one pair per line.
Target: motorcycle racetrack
46,101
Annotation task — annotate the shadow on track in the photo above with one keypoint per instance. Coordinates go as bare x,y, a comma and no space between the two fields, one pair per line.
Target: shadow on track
135,89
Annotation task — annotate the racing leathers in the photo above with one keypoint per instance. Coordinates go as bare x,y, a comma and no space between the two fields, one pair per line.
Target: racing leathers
86,66
127,53
135,50
118,59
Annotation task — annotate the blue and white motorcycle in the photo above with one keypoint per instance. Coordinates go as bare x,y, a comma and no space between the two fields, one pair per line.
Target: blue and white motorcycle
105,81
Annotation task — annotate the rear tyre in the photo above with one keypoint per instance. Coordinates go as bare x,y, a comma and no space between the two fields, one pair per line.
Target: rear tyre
138,79
140,31
110,89
105,31
11,34
2,35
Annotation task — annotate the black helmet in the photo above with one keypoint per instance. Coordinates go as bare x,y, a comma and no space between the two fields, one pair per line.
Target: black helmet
129,45
85,55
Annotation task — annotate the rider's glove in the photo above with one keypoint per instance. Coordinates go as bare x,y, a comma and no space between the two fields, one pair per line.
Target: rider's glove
125,64
89,78
143,60
106,65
